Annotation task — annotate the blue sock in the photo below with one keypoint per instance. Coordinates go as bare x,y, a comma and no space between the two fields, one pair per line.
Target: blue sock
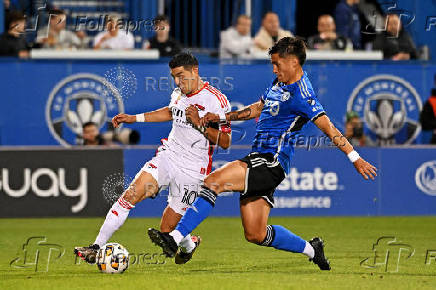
283,239
199,211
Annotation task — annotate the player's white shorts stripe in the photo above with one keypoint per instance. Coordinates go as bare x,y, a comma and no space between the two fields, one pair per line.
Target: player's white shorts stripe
259,161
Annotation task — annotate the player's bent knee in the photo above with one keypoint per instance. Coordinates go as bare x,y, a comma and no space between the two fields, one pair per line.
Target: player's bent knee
213,182
254,237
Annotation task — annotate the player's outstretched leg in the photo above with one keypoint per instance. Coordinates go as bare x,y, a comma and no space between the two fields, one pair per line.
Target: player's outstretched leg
254,214
142,187
230,177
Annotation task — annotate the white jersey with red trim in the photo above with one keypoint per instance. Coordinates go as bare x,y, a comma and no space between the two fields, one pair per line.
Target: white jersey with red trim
188,148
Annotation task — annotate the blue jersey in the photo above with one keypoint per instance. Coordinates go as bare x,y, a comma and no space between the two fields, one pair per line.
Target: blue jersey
287,108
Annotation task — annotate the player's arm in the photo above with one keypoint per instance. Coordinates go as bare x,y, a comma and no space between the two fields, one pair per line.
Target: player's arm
364,168
249,112
222,139
160,115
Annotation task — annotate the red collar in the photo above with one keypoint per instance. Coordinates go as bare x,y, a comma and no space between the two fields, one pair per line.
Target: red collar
193,94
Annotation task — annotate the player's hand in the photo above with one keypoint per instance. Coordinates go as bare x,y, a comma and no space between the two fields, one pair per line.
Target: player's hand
209,118
365,169
192,115
123,118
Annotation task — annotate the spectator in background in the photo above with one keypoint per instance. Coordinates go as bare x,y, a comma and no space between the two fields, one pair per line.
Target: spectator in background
270,32
91,135
236,41
427,117
113,37
327,38
162,41
395,42
54,35
348,22
9,7
354,130
13,41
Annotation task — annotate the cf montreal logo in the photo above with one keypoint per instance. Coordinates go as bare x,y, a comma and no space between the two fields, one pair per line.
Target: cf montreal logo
390,107
425,177
78,99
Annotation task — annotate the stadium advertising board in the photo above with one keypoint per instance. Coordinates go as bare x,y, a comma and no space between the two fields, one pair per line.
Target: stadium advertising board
43,183
388,97
324,183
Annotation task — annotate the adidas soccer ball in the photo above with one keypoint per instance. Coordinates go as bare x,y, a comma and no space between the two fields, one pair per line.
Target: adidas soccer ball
112,258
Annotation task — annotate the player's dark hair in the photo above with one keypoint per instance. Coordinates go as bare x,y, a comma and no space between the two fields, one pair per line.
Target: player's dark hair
161,18
290,46
433,92
87,124
185,59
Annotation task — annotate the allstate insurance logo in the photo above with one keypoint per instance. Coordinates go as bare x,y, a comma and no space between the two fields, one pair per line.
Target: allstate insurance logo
390,107
78,99
425,177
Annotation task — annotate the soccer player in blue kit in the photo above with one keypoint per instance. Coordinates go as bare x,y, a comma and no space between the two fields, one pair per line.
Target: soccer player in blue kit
284,108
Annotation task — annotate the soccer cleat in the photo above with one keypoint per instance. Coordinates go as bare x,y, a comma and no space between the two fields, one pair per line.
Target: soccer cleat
319,258
182,257
163,240
88,254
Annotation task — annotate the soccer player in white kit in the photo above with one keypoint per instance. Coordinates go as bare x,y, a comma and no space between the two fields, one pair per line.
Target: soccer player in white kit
182,161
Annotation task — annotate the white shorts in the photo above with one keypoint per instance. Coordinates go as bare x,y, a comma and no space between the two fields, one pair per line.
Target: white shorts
183,188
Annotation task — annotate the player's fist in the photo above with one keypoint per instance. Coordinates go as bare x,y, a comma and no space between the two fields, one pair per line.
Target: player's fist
123,118
209,118
192,116
365,169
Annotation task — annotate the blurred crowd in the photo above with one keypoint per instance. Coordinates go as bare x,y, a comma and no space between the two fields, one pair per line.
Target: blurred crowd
55,34
340,30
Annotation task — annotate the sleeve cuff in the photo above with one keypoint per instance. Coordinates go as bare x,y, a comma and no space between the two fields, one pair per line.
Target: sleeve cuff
317,116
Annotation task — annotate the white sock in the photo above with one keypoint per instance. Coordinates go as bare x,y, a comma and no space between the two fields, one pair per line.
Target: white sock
115,218
309,251
178,237
187,244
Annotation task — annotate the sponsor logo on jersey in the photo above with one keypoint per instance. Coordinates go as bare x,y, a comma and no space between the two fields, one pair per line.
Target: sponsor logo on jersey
425,177
285,96
390,107
78,99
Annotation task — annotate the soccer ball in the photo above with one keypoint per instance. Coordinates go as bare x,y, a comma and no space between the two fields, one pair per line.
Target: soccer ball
112,258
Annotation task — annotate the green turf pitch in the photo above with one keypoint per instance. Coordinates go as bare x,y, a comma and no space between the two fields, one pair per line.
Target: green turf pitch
225,260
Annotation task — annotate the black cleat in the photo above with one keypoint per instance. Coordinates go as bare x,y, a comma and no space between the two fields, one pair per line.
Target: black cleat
319,259
182,257
88,254
163,240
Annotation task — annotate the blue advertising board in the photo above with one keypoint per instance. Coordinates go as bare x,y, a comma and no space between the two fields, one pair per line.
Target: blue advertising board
323,182
45,102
